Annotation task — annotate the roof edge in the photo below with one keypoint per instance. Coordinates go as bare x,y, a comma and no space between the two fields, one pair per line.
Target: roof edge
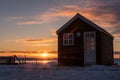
87,21
68,22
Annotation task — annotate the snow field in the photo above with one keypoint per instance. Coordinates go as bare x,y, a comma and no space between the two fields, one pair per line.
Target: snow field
48,72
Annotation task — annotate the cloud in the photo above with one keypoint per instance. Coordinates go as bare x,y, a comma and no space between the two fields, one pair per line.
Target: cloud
42,40
108,11
53,14
38,42
28,23
65,11
53,52
108,16
102,12
53,31
16,18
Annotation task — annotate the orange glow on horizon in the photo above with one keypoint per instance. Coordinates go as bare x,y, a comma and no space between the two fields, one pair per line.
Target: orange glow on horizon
45,54
116,55
45,62
38,55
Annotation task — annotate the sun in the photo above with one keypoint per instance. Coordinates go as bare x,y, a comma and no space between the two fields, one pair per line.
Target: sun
44,54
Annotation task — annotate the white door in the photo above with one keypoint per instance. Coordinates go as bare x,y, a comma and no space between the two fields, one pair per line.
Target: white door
89,48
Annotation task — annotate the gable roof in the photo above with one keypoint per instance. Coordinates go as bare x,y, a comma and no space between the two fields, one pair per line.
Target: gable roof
85,20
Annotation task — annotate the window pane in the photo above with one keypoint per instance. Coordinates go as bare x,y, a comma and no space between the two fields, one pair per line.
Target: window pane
65,36
71,36
68,39
70,42
65,42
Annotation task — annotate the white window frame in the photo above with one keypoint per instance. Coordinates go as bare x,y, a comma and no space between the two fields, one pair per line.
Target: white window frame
68,34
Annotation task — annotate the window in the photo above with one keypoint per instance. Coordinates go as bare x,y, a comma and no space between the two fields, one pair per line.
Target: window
68,39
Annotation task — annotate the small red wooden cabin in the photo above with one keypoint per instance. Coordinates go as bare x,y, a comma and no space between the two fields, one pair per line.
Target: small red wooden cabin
81,42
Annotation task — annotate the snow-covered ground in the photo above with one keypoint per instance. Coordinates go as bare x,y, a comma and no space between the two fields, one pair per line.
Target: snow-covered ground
50,71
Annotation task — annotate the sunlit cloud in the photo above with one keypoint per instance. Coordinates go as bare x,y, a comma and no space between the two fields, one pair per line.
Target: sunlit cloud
16,18
66,11
53,14
108,12
53,52
53,31
117,36
38,42
103,18
102,12
105,14
29,23
42,40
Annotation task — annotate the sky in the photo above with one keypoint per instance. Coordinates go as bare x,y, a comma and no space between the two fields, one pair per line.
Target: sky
30,25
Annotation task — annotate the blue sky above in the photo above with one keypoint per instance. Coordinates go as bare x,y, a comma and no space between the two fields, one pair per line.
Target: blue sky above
32,24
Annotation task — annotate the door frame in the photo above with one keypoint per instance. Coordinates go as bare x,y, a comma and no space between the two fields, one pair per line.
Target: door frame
84,39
